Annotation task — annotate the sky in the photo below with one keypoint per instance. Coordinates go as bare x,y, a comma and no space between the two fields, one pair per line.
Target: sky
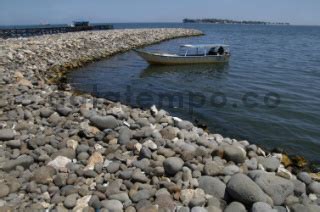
16,12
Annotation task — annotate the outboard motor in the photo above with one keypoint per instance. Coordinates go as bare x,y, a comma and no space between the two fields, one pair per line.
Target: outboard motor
221,50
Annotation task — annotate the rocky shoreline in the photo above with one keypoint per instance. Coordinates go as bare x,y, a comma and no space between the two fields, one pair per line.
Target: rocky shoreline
65,152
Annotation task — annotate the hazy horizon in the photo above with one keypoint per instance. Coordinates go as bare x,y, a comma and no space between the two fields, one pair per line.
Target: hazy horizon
15,12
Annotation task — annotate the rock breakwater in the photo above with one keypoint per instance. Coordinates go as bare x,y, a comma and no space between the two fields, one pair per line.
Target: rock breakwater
61,151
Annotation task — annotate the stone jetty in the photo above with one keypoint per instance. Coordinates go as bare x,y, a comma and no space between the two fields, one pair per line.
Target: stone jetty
61,151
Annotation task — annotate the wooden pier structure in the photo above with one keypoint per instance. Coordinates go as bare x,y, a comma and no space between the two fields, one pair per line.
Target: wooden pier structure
15,32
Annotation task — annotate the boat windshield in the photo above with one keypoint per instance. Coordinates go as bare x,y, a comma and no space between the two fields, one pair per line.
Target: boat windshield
204,50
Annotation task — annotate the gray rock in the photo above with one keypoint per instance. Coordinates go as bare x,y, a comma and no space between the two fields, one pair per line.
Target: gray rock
213,209
83,156
64,110
243,189
3,103
313,208
252,164
112,205
65,152
280,209
298,208
261,207
124,135
143,194
104,122
55,119
23,160
126,175
212,186
68,189
255,173
197,201
6,134
44,175
138,176
90,174
165,202
94,202
172,165
34,207
14,143
235,207
70,201
184,209
291,200
46,112
270,164
314,187
146,206
299,187
60,180
143,164
145,153
60,162
169,133
231,170
113,187
82,148
213,201
186,125
234,153
122,197
304,177
113,167
276,187
213,168
4,190
198,209
13,183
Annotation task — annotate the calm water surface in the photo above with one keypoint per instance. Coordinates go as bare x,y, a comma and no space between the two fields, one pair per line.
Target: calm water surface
269,93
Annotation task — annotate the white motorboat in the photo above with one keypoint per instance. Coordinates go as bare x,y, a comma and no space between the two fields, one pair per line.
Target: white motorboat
192,54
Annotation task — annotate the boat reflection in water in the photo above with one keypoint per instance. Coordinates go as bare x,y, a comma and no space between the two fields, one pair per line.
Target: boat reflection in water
203,69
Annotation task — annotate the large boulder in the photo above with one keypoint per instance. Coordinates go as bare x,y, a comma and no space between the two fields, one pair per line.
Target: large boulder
241,188
212,186
276,187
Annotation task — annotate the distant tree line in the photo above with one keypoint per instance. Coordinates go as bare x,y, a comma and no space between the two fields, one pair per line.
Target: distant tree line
227,21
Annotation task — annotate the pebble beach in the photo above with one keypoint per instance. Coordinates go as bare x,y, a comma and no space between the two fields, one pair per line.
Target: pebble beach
65,151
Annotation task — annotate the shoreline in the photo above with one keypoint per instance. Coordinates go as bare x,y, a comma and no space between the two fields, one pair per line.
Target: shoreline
66,151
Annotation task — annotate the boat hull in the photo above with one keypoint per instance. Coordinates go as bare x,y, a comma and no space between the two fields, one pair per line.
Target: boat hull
166,59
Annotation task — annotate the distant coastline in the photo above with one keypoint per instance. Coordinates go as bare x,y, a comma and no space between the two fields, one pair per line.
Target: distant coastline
228,21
